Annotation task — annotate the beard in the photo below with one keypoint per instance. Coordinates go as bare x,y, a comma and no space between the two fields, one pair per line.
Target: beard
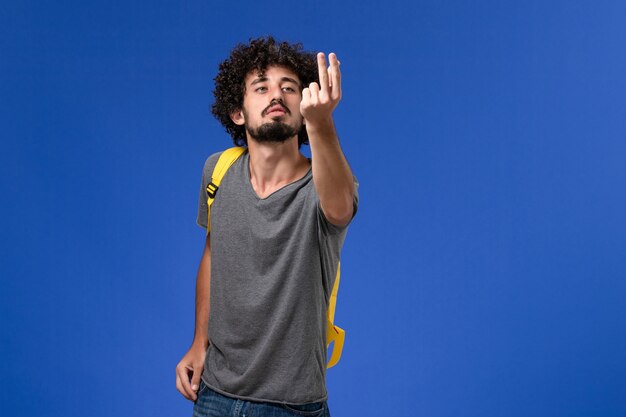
275,131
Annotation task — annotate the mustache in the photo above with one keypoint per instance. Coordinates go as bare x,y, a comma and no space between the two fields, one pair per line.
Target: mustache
272,104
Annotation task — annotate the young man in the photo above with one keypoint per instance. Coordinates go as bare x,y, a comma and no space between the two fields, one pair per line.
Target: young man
278,223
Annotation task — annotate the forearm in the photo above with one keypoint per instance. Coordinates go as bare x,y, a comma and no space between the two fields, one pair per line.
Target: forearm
332,175
203,293
189,369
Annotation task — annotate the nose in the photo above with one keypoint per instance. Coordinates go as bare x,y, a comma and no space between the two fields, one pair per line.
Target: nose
276,93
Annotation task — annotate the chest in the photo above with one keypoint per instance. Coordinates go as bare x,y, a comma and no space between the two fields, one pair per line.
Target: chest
240,215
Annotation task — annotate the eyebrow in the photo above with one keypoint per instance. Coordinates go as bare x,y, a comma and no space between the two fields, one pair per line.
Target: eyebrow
264,78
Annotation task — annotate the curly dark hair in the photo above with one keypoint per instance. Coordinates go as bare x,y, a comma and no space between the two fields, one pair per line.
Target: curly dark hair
257,55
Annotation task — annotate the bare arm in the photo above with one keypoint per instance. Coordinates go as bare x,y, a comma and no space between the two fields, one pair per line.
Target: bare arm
189,369
332,176
203,292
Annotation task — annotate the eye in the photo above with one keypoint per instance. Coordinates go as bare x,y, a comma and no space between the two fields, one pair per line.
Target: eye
291,90
260,89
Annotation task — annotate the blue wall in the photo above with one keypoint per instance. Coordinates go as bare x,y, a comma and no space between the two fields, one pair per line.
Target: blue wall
484,274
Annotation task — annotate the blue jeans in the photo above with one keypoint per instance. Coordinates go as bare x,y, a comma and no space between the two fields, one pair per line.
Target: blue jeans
214,404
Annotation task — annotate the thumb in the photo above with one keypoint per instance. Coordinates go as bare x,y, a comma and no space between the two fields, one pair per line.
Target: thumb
195,379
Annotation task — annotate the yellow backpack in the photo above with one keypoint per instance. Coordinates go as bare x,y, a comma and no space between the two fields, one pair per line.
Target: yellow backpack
333,333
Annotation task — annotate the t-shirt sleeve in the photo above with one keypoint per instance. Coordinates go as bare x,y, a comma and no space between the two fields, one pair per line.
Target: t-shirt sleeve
207,172
329,228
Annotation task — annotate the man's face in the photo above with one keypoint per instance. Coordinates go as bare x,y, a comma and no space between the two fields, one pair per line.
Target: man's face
271,105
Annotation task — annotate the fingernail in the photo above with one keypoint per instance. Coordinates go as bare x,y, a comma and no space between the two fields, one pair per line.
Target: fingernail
195,387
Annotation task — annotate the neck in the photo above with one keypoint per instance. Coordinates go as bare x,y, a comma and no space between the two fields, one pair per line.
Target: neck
273,165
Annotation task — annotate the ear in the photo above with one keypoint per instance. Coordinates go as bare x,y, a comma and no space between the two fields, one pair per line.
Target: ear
238,118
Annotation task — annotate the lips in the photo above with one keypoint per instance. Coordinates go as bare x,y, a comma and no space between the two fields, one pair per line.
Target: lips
276,109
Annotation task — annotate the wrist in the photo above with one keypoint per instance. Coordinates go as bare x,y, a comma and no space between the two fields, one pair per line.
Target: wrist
200,343
322,127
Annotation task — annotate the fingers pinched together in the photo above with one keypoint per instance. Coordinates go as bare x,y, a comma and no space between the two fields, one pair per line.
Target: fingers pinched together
319,101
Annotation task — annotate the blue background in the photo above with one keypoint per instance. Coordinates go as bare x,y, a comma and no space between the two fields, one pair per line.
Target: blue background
484,274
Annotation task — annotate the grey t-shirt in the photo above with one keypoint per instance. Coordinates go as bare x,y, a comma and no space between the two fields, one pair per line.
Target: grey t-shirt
273,266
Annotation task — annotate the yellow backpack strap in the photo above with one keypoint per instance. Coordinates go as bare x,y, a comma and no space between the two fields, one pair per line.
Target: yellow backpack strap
226,159
334,333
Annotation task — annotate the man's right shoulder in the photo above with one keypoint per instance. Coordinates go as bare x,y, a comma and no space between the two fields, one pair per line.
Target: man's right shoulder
209,164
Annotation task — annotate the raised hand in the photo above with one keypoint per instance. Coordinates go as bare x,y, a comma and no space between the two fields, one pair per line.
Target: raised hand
319,101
